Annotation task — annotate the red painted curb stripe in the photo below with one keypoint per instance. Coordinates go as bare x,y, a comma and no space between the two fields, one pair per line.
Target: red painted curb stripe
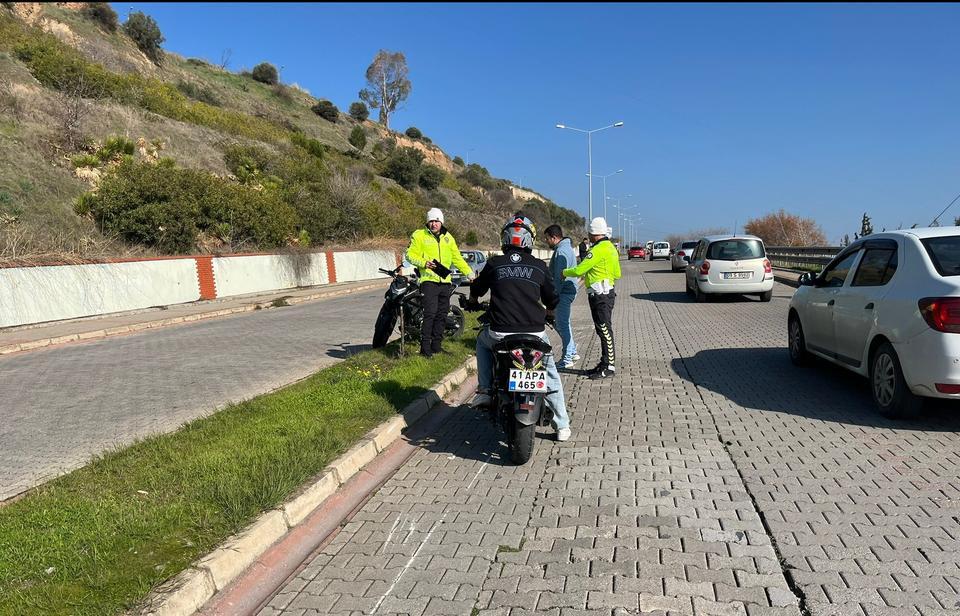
331,268
208,285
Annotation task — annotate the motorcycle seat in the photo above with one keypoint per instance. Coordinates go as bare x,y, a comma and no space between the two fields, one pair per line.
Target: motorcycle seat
514,341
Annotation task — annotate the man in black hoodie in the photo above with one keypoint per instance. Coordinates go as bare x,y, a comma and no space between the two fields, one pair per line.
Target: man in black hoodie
518,282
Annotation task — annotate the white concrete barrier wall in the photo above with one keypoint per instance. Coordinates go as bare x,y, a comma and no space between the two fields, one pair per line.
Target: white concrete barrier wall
239,275
54,293
363,265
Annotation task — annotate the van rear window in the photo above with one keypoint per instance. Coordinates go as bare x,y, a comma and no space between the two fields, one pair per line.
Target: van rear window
945,254
736,250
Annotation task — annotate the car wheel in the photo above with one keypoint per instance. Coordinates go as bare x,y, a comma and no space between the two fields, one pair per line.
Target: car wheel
766,296
699,295
890,392
796,342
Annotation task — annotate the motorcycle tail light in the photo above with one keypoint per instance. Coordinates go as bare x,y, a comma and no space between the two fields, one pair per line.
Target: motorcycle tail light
518,356
537,359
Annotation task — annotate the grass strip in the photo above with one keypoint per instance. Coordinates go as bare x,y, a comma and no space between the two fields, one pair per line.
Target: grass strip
98,540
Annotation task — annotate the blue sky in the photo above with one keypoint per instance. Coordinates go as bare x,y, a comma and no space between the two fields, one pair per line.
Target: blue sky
730,111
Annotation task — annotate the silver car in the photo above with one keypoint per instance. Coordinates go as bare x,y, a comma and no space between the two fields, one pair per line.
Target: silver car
476,259
685,249
729,265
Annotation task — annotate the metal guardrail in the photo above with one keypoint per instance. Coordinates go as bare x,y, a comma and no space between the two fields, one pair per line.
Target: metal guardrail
802,257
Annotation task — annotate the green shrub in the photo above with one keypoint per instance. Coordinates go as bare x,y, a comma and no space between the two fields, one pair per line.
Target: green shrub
458,161
85,160
470,239
358,138
427,139
199,93
431,177
479,176
167,208
145,32
326,110
312,146
403,167
359,111
265,73
249,163
103,14
413,132
115,146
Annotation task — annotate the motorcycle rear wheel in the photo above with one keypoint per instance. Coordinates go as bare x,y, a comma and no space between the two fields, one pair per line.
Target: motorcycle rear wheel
522,441
386,321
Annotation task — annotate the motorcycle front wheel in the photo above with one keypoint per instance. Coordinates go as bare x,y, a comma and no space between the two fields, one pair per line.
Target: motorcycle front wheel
455,323
386,321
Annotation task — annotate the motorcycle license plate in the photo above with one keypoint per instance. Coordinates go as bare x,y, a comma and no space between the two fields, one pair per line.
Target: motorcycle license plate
527,380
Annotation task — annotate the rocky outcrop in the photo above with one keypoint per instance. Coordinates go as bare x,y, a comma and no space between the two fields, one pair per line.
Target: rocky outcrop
431,154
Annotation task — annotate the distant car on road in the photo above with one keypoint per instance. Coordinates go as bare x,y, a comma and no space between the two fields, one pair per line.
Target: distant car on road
636,252
476,259
729,264
888,308
685,249
661,250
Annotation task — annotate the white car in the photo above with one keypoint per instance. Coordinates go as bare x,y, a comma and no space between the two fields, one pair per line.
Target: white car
685,249
888,308
661,250
729,265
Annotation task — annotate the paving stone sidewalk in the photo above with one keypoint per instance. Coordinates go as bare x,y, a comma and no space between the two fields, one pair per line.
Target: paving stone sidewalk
864,511
642,512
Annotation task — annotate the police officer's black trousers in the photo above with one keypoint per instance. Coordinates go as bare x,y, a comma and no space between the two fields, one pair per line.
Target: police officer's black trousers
436,305
601,309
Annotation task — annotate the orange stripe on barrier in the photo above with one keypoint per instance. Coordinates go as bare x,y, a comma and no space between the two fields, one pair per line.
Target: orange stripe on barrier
331,269
208,285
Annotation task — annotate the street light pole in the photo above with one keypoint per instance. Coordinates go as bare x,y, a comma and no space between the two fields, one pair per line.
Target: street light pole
590,158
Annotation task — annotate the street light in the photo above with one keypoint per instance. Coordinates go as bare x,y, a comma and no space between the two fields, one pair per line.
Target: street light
605,189
618,199
590,157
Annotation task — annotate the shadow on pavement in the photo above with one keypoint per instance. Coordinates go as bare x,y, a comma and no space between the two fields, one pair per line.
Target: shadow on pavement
347,350
670,297
468,434
763,378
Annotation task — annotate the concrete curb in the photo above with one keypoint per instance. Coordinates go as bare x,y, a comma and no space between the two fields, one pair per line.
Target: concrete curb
136,327
186,593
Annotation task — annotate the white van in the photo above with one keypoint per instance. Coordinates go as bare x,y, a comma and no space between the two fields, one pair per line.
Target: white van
661,250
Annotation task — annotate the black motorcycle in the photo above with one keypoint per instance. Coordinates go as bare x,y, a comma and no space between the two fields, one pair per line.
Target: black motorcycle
404,305
519,388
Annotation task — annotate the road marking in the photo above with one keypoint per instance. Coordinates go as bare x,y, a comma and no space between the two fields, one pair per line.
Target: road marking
409,562
392,530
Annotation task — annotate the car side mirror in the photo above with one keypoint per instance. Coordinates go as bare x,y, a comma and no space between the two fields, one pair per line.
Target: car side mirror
807,280
686,258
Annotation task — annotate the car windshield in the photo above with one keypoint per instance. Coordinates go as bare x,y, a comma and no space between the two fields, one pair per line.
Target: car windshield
661,245
945,254
469,257
636,248
688,245
735,250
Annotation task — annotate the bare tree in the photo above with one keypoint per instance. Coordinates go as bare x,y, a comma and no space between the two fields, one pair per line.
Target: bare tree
784,229
387,83
225,59
71,109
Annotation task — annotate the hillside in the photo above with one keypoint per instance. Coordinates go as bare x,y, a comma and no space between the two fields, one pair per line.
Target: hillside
105,153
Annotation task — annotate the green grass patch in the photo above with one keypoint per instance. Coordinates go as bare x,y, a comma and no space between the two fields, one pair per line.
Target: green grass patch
57,65
97,540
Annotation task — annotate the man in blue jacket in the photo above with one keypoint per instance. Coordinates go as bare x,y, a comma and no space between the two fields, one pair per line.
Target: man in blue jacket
563,257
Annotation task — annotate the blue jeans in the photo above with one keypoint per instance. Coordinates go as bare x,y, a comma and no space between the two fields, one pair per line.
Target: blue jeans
564,327
485,344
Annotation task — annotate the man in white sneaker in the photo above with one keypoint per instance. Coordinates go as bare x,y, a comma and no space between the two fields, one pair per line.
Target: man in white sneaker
563,257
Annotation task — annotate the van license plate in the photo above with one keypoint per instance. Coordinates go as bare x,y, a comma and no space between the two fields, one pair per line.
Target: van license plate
737,275
527,380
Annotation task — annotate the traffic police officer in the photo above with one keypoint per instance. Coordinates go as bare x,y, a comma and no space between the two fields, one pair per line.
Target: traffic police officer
432,251
600,269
